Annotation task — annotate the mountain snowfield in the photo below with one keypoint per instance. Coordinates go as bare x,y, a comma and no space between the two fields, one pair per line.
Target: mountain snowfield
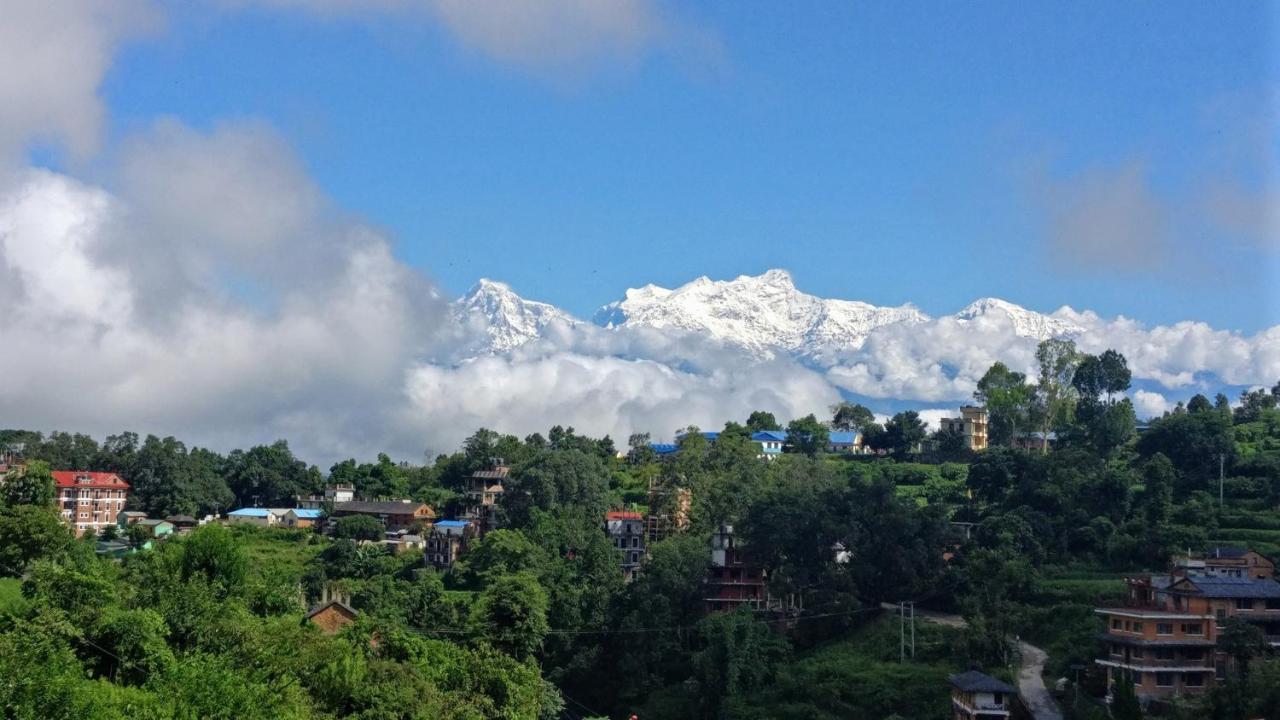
765,315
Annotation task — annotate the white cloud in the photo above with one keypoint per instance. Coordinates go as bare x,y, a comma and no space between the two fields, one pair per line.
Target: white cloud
53,55
1148,404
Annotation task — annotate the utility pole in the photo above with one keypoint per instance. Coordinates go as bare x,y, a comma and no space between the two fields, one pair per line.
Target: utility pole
1222,460
903,643
913,628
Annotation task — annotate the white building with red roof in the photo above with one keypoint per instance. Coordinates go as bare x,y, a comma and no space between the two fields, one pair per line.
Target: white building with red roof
90,500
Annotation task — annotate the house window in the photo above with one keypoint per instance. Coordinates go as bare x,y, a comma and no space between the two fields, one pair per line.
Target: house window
1164,653
1244,604
1193,654
1116,624
997,699
1193,679
1192,629
1117,650
1273,603
1137,653
1164,628
1137,627
635,542
1164,679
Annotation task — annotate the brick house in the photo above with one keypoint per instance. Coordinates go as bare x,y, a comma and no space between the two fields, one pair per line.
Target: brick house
447,540
394,515
731,581
90,500
331,616
482,491
1165,638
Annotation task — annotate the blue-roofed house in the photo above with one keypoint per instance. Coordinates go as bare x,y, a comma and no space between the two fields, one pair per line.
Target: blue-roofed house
447,540
303,517
839,441
771,442
263,517
664,449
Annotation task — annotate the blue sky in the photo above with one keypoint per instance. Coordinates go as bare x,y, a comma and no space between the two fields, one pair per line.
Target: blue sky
1115,158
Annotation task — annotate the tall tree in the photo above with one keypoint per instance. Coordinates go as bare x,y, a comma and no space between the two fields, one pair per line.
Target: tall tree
806,435
904,432
761,420
511,614
1007,397
1054,396
851,416
31,486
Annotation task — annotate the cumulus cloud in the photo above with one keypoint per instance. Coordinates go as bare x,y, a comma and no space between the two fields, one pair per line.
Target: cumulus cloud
542,36
53,56
1149,404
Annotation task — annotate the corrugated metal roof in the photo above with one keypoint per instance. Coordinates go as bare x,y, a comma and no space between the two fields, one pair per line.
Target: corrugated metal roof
250,512
769,436
1228,587
974,681
452,523
842,437
308,513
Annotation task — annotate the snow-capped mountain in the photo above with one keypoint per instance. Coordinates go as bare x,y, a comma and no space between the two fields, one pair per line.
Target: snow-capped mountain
1026,323
763,314
507,319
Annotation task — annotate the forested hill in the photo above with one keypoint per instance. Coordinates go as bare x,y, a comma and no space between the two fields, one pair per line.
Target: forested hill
535,620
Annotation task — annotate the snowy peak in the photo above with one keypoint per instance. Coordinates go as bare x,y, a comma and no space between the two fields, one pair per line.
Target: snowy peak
507,319
1026,323
762,313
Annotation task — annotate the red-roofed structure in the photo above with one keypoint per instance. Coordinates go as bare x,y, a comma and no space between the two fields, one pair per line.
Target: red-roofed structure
623,515
90,500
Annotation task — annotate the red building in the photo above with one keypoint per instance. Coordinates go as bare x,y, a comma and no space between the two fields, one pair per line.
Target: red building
731,581
90,500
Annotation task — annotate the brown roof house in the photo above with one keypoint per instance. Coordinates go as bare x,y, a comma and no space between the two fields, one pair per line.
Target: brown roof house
394,515
332,613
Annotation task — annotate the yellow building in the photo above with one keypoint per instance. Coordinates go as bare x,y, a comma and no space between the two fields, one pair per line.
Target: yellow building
972,423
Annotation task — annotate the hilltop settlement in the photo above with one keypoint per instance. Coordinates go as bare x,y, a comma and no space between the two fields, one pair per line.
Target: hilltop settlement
1040,554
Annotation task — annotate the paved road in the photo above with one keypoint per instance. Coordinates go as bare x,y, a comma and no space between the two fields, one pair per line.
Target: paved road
1030,681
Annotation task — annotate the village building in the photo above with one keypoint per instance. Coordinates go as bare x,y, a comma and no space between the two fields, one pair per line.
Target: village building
156,529
1035,441
1226,562
183,524
978,696
972,424
393,514
89,500
262,517
302,517
125,518
333,494
731,580
1165,638
626,531
482,491
847,442
332,616
446,541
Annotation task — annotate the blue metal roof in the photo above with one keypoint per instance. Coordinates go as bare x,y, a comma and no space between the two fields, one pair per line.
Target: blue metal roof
842,438
769,436
664,448
452,523
308,513
251,512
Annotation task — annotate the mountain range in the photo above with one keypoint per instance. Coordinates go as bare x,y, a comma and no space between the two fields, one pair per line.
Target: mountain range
764,315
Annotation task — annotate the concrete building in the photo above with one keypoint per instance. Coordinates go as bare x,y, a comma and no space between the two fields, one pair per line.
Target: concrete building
626,531
731,580
977,696
89,500
1165,638
447,540
333,494
1226,562
262,517
302,517
972,423
482,492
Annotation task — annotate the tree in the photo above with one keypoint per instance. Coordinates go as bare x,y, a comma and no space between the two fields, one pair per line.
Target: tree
358,527
1124,701
1242,641
739,656
511,614
34,486
29,532
806,435
761,420
1193,442
556,479
851,416
501,552
1054,396
1198,403
904,432
270,475
1007,397
212,554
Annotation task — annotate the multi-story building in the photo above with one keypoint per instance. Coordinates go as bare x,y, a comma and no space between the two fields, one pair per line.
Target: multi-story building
1226,562
447,540
333,494
977,696
972,423
626,530
1164,640
481,494
90,500
731,580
